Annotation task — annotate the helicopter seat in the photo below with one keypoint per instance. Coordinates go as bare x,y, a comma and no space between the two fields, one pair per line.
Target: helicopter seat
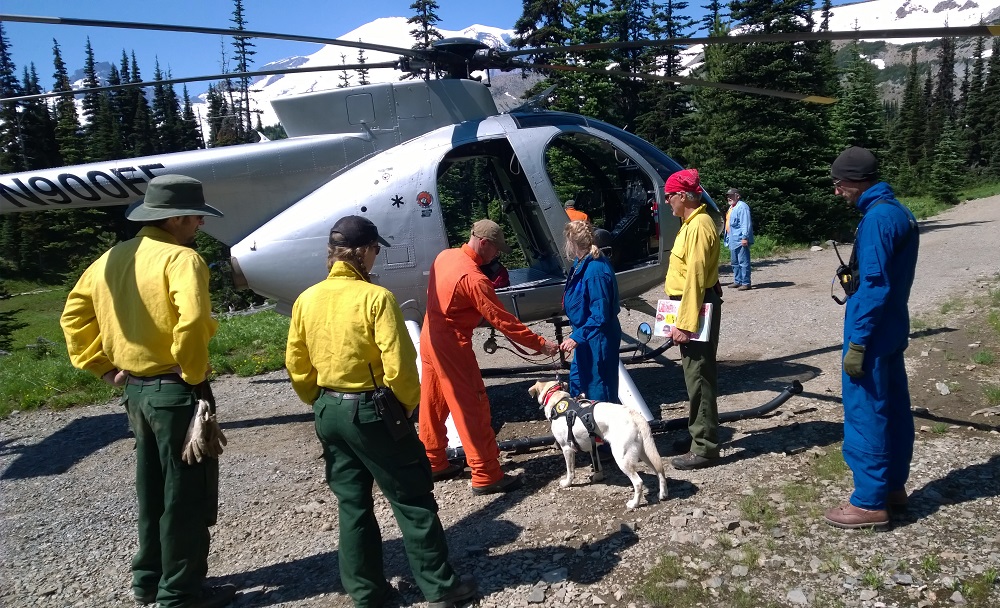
531,277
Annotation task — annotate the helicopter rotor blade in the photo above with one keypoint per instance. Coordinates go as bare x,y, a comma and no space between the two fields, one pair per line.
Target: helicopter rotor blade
687,81
172,81
925,32
194,29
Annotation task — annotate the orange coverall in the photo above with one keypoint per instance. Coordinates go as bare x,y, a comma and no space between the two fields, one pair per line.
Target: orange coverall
459,296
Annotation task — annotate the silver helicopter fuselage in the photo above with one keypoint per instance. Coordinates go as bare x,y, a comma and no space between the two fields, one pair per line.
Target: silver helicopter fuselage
379,151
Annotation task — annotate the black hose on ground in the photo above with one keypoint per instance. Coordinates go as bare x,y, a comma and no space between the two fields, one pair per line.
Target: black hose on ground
522,444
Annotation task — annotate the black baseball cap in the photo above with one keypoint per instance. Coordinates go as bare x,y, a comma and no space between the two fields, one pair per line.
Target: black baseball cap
355,231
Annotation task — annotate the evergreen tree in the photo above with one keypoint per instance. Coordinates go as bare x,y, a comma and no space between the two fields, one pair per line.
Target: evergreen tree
38,127
666,123
942,106
362,71
857,117
9,322
557,23
909,141
991,93
628,21
974,117
344,78
11,152
99,134
143,138
777,151
190,129
712,18
243,54
947,169
425,32
68,136
166,115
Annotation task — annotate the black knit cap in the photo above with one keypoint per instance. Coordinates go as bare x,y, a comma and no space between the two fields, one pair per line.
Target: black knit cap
355,231
855,164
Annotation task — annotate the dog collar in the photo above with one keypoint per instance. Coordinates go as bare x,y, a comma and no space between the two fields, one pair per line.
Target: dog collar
552,390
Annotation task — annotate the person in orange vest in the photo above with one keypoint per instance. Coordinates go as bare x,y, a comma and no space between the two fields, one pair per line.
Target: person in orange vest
459,297
573,213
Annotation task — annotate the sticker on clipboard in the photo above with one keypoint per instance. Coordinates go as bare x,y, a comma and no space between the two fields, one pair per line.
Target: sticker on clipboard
666,317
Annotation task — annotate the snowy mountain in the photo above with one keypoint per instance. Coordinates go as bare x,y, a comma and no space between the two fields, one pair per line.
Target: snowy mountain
388,31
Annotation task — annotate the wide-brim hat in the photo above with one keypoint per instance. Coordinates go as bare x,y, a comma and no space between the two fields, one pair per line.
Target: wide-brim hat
171,196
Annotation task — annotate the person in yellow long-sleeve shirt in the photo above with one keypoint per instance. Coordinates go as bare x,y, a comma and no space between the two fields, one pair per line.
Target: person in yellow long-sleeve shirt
693,278
140,317
339,328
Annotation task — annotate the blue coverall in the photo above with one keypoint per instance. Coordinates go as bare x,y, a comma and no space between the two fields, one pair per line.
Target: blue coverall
740,227
591,303
878,425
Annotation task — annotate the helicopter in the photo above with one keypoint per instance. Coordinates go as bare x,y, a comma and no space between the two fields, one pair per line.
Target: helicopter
382,150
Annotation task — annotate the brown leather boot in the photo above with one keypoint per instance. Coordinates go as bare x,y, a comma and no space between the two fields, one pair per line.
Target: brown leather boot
851,517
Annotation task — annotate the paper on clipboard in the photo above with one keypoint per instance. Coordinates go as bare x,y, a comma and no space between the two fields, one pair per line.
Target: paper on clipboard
666,317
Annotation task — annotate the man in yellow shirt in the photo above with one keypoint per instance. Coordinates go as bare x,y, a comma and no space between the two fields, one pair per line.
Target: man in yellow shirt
140,317
693,278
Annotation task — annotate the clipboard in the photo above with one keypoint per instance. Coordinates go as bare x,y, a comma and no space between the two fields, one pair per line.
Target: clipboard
666,317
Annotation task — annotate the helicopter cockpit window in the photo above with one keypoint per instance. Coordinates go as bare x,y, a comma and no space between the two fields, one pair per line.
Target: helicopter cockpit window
612,190
485,180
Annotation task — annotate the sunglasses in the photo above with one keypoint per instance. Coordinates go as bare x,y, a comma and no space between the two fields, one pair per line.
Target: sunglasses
836,183
378,249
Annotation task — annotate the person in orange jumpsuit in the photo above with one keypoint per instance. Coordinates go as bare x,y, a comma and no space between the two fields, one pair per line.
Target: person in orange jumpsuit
459,297
573,213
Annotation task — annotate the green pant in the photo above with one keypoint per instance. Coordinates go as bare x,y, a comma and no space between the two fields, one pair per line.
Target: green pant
174,498
701,376
359,451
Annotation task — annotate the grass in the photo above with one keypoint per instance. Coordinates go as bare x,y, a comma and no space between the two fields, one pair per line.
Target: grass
830,466
994,320
763,247
977,590
984,357
38,373
758,509
656,589
248,345
872,579
940,428
930,565
992,393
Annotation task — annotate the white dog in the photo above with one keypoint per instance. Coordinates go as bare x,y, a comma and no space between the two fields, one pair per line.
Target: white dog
621,426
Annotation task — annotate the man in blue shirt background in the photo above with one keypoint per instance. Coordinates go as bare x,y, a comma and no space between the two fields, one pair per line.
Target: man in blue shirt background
738,237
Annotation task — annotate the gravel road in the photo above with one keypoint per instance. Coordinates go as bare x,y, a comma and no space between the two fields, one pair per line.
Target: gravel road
67,505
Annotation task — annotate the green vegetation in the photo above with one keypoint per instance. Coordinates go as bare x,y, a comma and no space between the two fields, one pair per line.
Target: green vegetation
929,565
659,589
872,579
830,465
939,428
758,509
977,591
38,372
247,345
984,357
992,393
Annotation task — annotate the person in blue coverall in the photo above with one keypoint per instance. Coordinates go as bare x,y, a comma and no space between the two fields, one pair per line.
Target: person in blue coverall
878,425
591,303
738,238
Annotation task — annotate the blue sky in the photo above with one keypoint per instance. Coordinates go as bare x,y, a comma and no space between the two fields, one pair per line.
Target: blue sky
196,54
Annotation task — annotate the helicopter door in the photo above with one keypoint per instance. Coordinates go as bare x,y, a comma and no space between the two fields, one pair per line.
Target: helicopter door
612,189
484,179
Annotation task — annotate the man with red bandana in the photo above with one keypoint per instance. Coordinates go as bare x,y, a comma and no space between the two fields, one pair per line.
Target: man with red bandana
459,297
693,278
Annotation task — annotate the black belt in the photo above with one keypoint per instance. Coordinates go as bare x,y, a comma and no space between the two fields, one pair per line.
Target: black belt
151,380
348,396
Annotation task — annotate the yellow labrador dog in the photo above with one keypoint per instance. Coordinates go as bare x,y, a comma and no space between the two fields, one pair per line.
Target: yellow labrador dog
621,426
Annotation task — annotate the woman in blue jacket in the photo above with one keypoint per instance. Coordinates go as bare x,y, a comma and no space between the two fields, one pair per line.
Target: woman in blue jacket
591,303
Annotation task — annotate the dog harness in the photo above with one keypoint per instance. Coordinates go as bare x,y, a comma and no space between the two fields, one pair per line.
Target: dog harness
573,410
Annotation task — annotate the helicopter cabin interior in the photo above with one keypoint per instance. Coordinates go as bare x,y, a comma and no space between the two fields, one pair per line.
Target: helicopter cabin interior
485,179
